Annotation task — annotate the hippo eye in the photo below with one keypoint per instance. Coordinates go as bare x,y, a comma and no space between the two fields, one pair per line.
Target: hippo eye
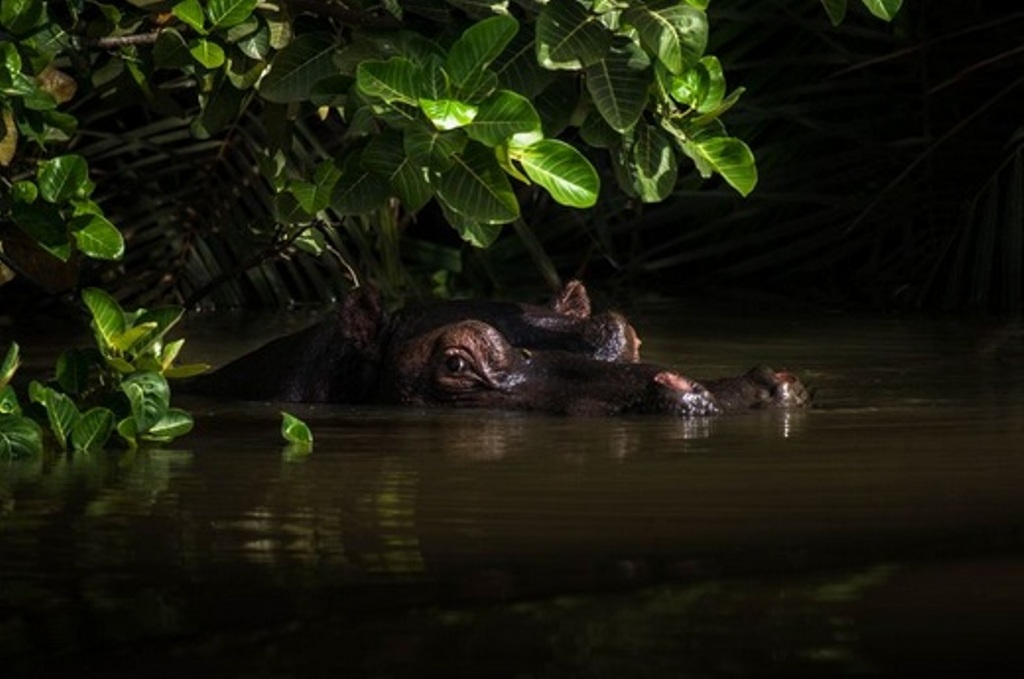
456,363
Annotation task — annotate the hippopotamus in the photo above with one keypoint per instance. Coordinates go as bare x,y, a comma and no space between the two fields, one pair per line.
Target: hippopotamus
558,358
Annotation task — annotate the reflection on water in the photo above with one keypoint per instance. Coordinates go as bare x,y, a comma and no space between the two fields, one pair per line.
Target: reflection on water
878,533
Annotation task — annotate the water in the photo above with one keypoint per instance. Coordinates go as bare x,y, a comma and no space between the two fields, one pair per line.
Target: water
877,534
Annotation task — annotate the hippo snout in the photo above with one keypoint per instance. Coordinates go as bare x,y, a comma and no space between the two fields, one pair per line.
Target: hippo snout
677,395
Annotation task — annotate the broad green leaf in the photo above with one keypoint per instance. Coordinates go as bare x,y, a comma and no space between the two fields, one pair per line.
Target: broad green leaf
171,50
191,12
9,404
295,430
476,234
674,33
158,322
430,147
124,342
475,187
729,157
478,46
92,429
883,9
448,114
62,178
296,68
518,69
596,131
61,412
149,397
315,195
701,87
10,364
208,53
563,171
256,45
45,224
96,237
108,318
570,37
21,16
396,79
836,10
221,106
128,431
225,13
503,116
619,85
654,167
358,191
174,423
385,155
19,436
73,371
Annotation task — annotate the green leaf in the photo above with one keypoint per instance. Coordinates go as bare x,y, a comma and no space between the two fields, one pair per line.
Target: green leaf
476,234
21,16
430,147
158,322
503,116
883,9
563,171
478,46
9,401
9,365
448,114
61,412
295,430
619,85
701,87
836,10
569,37
19,436
396,79
45,224
62,178
654,165
297,68
92,429
225,13
727,156
315,196
96,237
674,33
174,423
73,371
127,429
149,398
208,53
108,318
358,191
475,187
124,342
191,12
386,156
171,50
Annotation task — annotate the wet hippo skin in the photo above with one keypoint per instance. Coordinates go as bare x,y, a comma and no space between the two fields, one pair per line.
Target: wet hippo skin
560,358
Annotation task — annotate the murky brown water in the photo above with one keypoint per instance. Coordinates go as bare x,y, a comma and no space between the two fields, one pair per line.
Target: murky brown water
880,533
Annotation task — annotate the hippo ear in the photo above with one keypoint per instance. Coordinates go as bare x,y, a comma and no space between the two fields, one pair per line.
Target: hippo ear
572,301
361,317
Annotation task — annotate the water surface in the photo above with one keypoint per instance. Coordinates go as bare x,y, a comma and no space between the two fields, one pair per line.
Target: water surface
878,533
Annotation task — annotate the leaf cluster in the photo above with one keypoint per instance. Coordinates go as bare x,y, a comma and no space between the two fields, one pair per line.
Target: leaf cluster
119,386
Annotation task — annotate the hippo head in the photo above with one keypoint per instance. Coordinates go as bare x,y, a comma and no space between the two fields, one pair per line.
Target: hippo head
471,363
